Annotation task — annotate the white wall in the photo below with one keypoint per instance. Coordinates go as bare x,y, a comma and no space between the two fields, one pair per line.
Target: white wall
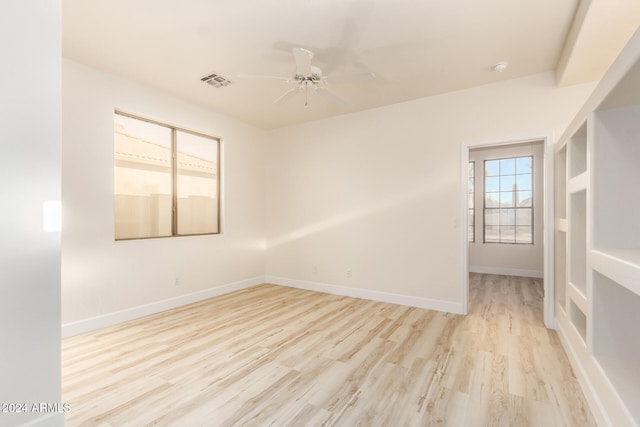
379,192
521,259
30,174
101,276
376,193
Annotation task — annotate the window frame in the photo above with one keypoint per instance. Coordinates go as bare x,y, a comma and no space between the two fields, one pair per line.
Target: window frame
174,178
515,208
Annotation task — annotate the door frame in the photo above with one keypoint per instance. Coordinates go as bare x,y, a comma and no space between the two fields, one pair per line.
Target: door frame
547,220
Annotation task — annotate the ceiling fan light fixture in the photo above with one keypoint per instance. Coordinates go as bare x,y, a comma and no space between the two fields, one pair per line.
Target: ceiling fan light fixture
308,76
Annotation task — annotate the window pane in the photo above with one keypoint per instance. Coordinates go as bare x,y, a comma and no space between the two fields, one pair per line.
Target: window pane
507,217
197,183
508,234
491,168
507,167
524,182
524,235
524,165
492,200
524,217
142,179
508,188
507,182
506,199
525,198
492,184
492,217
491,233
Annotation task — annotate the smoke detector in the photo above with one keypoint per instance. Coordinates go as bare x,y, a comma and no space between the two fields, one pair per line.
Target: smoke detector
216,80
499,67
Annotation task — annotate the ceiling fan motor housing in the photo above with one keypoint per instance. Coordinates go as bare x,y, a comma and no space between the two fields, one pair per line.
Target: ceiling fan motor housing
314,77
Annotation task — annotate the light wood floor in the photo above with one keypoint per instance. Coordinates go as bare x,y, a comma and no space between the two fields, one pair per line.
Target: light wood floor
272,355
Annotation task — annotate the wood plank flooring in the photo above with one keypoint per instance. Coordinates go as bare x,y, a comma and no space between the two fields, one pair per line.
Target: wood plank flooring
272,355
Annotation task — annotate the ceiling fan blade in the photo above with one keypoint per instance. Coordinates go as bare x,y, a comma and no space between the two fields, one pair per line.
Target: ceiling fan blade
285,96
350,78
263,77
303,61
335,99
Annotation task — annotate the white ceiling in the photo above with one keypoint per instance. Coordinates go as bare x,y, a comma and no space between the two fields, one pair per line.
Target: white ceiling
416,48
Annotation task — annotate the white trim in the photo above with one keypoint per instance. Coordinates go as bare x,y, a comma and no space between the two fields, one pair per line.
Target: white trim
407,300
584,379
464,178
548,284
548,235
53,419
110,319
506,271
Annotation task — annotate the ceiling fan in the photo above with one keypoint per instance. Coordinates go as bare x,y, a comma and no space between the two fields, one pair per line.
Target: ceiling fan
309,77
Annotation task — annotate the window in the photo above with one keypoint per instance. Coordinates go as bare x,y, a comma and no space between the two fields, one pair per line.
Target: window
508,201
166,180
471,231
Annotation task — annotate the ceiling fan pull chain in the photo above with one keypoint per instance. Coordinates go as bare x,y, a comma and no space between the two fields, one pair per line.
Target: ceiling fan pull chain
306,94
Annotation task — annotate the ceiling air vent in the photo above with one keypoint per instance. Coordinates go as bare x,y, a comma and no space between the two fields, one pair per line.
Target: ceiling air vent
215,80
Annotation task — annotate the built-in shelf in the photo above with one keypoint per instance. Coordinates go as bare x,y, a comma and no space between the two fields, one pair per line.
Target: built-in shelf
560,183
578,297
625,378
560,271
577,241
577,153
616,169
578,320
578,183
561,223
620,265
624,92
597,242
616,338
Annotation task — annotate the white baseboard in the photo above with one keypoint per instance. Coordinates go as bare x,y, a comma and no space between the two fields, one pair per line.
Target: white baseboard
48,420
110,319
607,406
588,389
539,274
411,301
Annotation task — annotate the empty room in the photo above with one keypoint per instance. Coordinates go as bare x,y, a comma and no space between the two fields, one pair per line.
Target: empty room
321,213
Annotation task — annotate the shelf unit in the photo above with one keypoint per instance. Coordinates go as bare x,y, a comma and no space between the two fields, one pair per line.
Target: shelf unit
597,242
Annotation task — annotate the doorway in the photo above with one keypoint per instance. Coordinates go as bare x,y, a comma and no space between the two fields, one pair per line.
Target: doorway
517,206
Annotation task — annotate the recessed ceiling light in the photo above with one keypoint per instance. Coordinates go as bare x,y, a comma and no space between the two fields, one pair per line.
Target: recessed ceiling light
499,67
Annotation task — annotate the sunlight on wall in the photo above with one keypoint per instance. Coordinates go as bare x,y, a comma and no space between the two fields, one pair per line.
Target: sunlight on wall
389,203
